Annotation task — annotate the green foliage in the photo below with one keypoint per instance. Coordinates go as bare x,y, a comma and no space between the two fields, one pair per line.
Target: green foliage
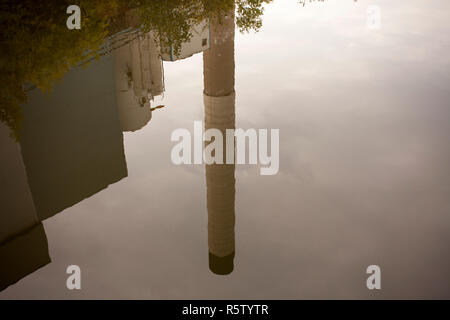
38,49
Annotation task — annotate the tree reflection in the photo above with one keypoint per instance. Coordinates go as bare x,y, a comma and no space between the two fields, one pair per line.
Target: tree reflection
38,49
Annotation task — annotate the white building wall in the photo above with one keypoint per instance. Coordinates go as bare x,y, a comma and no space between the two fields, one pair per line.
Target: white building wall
198,43
138,77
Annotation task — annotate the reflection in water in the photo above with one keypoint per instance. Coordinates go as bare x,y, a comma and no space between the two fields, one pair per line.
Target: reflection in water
138,78
39,49
365,139
23,244
71,147
219,100
197,43
365,121
71,141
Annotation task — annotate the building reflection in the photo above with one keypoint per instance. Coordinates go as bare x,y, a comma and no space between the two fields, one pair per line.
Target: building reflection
71,143
71,140
23,243
71,147
139,77
219,102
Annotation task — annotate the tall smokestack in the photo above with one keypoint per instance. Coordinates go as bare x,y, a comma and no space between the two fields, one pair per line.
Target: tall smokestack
219,100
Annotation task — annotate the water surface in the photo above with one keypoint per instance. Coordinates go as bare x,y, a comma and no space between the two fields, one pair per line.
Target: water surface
364,167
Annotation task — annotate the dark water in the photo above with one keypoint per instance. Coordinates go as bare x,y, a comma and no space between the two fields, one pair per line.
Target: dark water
364,172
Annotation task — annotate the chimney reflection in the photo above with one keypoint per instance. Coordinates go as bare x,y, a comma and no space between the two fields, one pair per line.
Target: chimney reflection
219,101
72,142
